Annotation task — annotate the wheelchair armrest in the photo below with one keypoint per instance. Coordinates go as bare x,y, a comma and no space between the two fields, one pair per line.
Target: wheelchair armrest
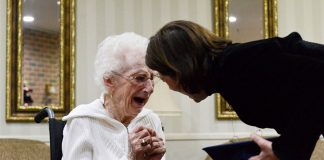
45,112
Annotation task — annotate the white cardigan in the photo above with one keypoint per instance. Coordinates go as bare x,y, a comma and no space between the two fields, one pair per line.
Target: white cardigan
91,134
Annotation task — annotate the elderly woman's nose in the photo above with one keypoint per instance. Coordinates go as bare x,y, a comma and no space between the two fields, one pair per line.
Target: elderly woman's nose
149,86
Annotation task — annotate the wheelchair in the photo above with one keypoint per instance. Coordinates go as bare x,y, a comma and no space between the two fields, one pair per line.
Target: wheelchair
55,130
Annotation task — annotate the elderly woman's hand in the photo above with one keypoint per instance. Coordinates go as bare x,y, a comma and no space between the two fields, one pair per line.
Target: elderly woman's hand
158,149
145,145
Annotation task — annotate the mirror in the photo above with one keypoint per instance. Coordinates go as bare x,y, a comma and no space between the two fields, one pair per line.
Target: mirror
40,57
234,20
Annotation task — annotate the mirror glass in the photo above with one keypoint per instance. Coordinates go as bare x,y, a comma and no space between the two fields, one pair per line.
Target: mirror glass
245,25
40,57
243,21
40,52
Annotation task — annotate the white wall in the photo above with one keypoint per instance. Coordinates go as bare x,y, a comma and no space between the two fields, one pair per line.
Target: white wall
303,16
197,126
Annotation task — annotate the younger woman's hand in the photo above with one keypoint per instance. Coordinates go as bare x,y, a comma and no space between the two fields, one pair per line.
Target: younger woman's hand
266,149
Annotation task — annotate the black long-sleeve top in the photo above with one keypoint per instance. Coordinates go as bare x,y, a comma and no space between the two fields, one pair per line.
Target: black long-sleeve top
276,83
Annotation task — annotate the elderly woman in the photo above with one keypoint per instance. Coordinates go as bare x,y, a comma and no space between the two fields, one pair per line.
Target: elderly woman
117,126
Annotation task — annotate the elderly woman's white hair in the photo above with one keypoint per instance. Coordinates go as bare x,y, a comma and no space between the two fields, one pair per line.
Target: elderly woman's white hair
118,53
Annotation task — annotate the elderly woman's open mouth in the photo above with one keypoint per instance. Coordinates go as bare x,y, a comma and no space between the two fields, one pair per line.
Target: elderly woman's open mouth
140,101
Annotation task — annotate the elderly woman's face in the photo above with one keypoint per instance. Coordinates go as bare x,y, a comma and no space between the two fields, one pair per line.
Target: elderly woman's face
132,89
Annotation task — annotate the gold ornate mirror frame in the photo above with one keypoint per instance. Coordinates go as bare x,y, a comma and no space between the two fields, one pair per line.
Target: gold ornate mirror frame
221,28
15,110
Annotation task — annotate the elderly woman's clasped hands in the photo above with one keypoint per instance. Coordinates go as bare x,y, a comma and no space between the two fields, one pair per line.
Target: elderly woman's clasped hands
145,144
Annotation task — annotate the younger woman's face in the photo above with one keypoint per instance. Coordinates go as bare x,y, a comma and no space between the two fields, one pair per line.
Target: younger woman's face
197,97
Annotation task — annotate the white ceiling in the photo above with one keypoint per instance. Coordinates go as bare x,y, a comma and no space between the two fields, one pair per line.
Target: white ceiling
45,12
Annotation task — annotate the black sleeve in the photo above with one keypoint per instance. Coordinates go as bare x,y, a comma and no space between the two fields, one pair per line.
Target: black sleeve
294,44
305,75
296,72
297,143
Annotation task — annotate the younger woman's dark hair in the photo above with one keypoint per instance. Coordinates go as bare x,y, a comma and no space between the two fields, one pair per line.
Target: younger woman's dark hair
183,50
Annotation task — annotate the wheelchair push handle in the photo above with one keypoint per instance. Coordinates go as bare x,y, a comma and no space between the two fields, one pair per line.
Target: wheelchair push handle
45,112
